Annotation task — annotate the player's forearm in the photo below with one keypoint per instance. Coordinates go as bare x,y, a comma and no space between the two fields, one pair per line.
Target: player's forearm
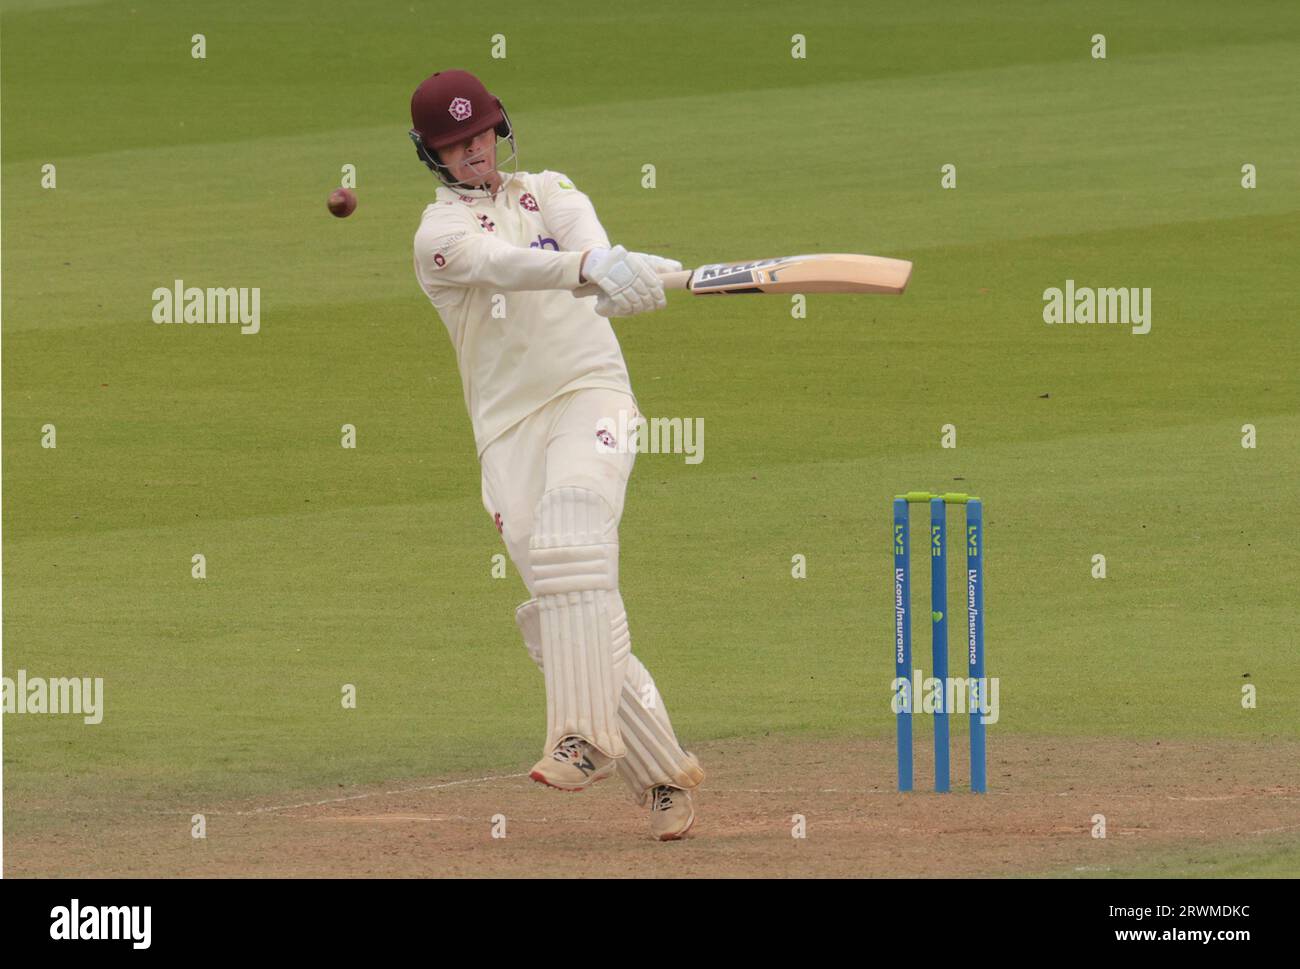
511,268
491,263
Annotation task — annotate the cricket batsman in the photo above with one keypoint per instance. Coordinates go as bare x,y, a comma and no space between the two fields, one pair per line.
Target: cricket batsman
499,253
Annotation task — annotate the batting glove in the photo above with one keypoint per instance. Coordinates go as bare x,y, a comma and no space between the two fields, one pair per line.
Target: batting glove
628,282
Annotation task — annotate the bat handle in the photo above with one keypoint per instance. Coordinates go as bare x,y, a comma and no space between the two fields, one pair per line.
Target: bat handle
674,280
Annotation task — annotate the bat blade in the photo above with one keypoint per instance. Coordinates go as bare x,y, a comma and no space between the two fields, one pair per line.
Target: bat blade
821,273
824,273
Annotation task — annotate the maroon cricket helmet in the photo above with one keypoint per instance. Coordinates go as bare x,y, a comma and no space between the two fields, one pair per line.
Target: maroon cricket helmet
451,107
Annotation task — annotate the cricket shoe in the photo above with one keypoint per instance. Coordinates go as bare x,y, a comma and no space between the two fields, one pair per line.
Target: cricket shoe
671,813
574,765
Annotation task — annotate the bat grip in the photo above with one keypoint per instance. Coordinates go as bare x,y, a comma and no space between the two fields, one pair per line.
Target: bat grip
674,280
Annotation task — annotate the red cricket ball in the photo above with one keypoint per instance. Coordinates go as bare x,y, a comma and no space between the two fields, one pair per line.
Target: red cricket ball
343,202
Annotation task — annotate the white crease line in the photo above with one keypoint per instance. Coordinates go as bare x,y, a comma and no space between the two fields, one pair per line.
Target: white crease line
1285,827
352,797
446,817
708,790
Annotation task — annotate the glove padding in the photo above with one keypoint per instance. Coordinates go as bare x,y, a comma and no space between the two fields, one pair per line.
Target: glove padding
629,281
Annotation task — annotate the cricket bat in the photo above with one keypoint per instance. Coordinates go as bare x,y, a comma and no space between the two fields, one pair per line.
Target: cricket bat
823,273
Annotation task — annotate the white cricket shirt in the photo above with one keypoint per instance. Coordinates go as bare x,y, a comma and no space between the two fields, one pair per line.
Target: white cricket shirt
518,252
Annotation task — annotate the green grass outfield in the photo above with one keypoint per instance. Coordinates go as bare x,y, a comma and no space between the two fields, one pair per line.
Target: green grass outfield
1268,857
329,566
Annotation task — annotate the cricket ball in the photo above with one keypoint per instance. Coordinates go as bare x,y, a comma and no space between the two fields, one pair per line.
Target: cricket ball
343,202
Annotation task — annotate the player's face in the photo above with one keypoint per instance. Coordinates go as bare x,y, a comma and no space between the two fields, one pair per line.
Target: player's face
473,160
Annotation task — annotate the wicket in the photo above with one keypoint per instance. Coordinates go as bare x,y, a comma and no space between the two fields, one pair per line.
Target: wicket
903,698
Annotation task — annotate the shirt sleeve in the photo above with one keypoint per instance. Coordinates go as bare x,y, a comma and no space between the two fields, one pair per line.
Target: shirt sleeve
570,215
453,251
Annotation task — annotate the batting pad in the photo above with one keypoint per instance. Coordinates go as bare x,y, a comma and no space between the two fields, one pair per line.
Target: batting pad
573,552
653,756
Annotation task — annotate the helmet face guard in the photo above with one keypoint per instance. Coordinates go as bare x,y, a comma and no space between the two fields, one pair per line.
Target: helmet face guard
429,156
449,108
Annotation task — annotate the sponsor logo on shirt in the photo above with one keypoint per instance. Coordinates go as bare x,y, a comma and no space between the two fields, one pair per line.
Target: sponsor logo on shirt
542,243
443,243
